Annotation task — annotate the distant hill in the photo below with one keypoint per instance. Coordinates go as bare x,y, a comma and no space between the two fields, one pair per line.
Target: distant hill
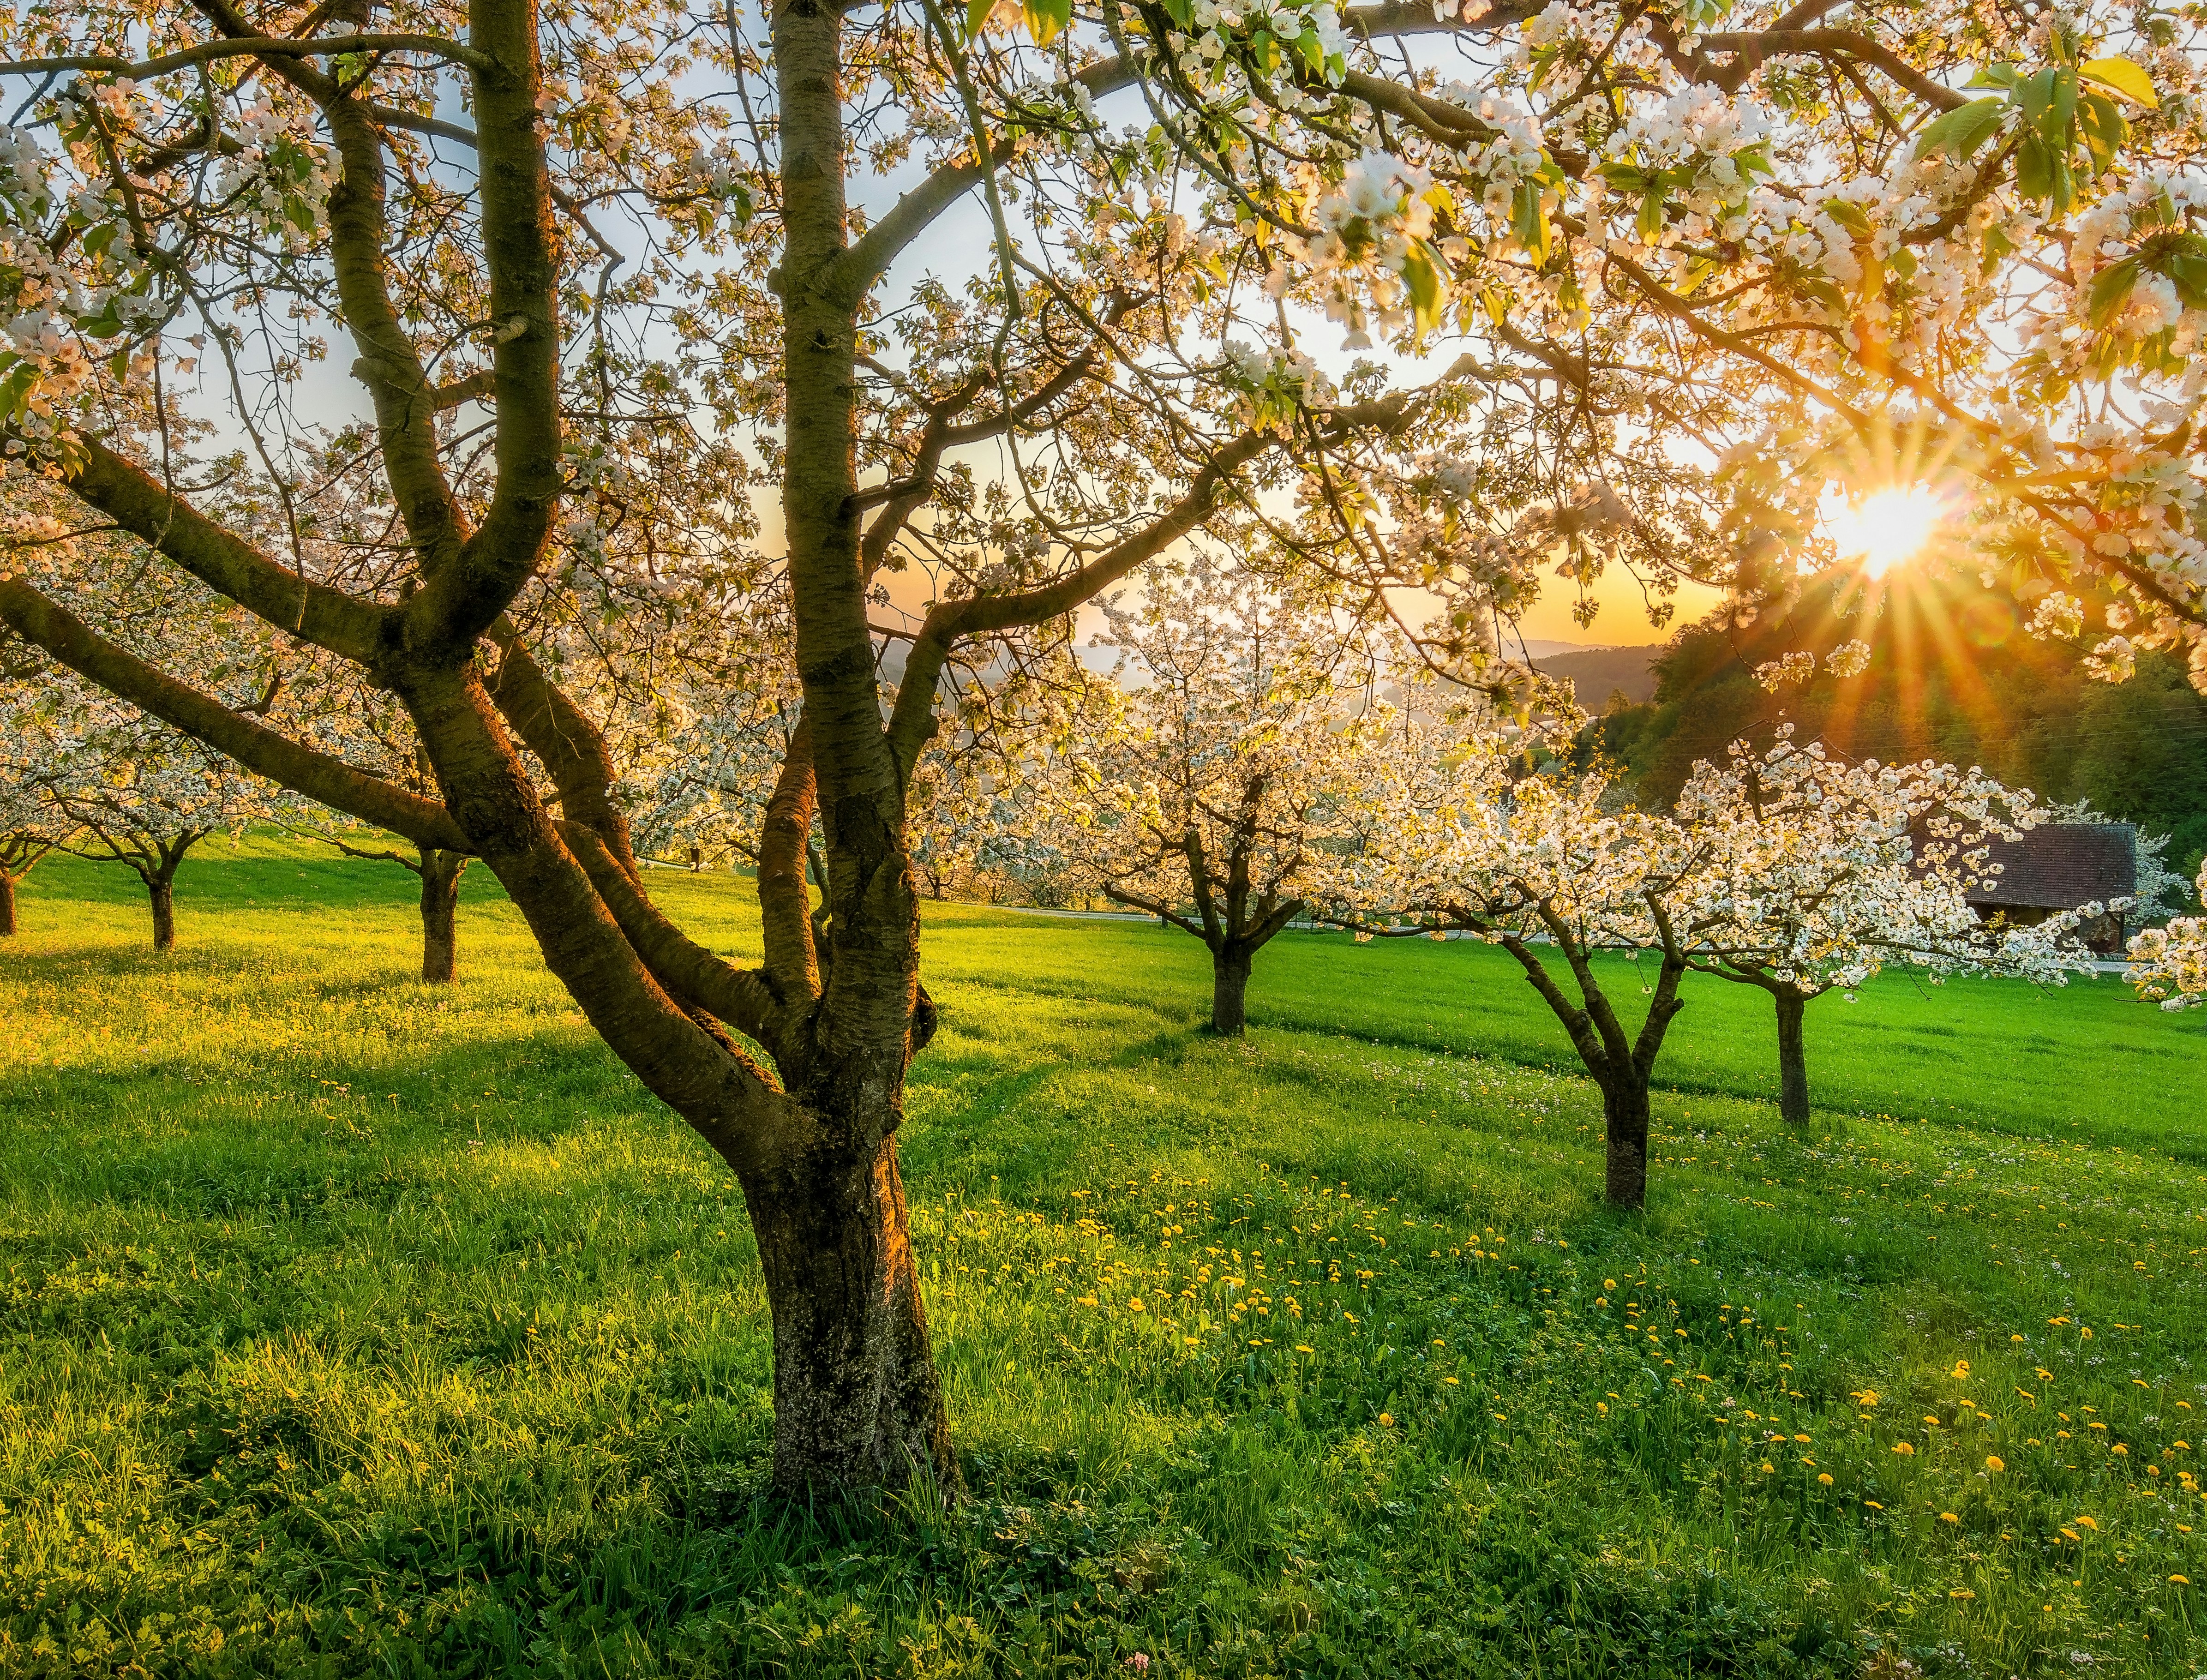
1596,674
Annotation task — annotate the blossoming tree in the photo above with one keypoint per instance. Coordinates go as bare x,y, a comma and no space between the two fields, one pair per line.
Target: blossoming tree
1810,873
1961,244
2169,965
601,277
1553,870
140,795
1205,777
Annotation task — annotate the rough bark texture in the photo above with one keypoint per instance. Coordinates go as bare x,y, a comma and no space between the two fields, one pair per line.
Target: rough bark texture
161,889
441,896
1793,1057
1229,990
1624,1128
7,905
857,1402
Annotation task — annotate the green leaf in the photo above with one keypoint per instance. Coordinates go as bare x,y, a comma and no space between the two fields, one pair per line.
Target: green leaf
976,14
1996,75
2120,75
1651,218
1046,18
2103,126
1529,221
1313,50
1962,131
2033,169
2190,274
1848,215
1422,276
1626,177
2110,286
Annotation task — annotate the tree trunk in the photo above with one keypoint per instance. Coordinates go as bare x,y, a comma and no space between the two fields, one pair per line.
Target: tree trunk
1229,988
7,905
161,889
856,1399
440,897
1792,1058
1624,1120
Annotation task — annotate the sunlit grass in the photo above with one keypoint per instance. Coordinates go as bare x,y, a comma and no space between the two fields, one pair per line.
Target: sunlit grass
352,1326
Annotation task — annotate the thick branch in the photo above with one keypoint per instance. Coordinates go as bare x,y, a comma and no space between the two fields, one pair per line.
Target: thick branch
740,997
253,47
793,962
259,748
142,505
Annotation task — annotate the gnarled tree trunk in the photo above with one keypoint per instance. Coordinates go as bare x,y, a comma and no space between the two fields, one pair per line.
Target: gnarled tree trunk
7,905
1625,1113
857,1400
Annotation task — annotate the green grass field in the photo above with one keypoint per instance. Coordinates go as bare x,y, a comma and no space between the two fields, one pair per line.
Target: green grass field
351,1327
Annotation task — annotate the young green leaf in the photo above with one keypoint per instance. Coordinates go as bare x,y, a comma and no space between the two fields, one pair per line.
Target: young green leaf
1962,132
2120,75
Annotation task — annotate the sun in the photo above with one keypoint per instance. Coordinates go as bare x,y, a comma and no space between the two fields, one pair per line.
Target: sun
1885,528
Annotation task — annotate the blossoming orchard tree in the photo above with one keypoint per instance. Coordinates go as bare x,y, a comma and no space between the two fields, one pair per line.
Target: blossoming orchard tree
1811,873
397,326
137,794
1458,836
539,265
1205,777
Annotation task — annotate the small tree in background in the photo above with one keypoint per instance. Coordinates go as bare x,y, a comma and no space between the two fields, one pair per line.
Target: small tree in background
1551,871
1810,873
1201,781
142,795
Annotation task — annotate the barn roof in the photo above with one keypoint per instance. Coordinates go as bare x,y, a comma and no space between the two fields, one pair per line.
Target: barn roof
2061,865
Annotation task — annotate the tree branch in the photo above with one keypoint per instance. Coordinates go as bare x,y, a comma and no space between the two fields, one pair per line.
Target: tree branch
259,748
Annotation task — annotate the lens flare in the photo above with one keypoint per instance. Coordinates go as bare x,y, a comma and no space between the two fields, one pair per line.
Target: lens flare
1885,528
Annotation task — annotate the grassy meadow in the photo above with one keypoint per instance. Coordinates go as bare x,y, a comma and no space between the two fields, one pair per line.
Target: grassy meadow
353,1327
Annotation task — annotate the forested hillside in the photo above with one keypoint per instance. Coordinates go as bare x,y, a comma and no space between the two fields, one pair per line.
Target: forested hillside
1953,676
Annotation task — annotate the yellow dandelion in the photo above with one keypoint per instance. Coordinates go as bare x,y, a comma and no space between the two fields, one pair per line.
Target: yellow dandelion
1452,1382
2087,1522
1134,1306
1387,1420
1961,1592
1903,1449
1767,1466
2179,1580
1306,1347
1825,1477
1949,1516
1874,1504
2119,1448
1993,1463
